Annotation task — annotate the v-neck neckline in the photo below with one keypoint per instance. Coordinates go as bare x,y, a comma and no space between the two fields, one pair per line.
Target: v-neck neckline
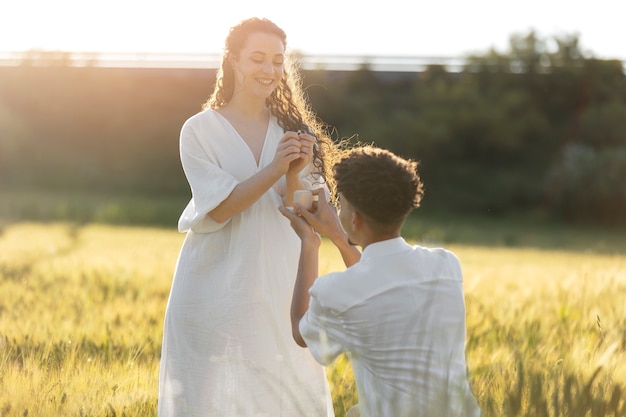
243,141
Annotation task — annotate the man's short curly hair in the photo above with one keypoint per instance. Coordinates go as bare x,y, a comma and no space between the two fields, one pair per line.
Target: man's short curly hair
379,184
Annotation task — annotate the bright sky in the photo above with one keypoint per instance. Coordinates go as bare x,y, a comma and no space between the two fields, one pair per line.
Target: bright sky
346,27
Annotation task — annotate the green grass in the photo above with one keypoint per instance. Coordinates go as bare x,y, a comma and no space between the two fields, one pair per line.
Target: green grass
83,207
429,227
82,304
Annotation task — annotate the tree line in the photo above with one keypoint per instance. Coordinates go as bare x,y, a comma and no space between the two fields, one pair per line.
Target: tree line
539,129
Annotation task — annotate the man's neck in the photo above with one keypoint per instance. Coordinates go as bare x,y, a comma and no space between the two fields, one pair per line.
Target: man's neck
375,238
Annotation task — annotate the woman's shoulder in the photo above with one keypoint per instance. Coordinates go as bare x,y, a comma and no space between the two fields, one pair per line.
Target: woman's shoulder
202,115
202,119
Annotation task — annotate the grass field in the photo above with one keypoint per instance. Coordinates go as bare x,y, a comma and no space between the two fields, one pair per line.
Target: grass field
81,310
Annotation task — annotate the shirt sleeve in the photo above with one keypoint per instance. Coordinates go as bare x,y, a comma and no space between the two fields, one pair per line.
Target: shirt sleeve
210,184
322,331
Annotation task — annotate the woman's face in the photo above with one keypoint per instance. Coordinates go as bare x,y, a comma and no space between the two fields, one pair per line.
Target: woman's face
260,65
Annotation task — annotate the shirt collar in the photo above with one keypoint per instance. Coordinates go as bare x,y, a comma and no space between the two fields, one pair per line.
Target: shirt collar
385,247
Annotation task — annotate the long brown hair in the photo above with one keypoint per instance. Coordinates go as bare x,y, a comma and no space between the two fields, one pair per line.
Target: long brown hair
287,101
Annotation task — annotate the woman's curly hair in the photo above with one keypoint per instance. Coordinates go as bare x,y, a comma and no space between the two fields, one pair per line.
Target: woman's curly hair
286,102
379,184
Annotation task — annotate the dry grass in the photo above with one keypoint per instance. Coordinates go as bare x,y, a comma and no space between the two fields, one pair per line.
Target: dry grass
81,312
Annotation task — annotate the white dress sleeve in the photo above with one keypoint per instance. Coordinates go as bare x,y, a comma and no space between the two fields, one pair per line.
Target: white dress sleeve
210,184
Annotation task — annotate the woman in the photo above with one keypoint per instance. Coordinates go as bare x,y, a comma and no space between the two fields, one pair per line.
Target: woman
227,346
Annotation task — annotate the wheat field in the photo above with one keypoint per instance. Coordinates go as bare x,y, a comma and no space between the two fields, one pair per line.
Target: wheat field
81,310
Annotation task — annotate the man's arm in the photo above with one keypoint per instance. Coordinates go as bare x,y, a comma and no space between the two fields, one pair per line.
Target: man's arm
307,273
349,253
308,266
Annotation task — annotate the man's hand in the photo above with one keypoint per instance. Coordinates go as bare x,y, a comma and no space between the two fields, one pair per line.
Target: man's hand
323,217
325,220
303,229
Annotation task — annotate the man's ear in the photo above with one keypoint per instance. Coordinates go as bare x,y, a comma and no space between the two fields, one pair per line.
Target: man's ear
357,220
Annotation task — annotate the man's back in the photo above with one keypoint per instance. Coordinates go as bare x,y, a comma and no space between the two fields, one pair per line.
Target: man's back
400,315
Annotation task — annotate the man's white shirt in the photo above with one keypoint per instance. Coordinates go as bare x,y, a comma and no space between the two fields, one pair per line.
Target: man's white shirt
399,314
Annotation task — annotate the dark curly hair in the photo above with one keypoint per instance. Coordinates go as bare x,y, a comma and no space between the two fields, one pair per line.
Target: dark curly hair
286,102
379,184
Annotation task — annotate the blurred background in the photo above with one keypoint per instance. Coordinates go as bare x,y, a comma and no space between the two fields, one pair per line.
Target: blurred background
529,124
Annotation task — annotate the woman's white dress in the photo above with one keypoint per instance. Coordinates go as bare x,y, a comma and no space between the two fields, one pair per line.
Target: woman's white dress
227,344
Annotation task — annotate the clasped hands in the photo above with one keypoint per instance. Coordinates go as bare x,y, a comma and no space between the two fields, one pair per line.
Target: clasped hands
296,150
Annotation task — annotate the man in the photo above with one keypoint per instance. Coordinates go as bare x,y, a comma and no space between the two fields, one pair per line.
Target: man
398,310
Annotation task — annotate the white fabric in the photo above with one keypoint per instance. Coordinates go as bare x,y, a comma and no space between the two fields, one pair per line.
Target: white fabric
227,344
399,314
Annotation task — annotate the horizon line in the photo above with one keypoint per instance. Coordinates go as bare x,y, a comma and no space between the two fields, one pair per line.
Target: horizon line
212,60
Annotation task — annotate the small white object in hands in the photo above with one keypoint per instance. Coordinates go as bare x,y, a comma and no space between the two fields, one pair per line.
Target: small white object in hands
305,198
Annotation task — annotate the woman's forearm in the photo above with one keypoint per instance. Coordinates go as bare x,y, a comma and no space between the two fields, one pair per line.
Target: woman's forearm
245,194
293,182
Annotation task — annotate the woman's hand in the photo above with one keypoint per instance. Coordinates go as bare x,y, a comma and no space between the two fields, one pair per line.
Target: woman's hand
288,152
307,142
